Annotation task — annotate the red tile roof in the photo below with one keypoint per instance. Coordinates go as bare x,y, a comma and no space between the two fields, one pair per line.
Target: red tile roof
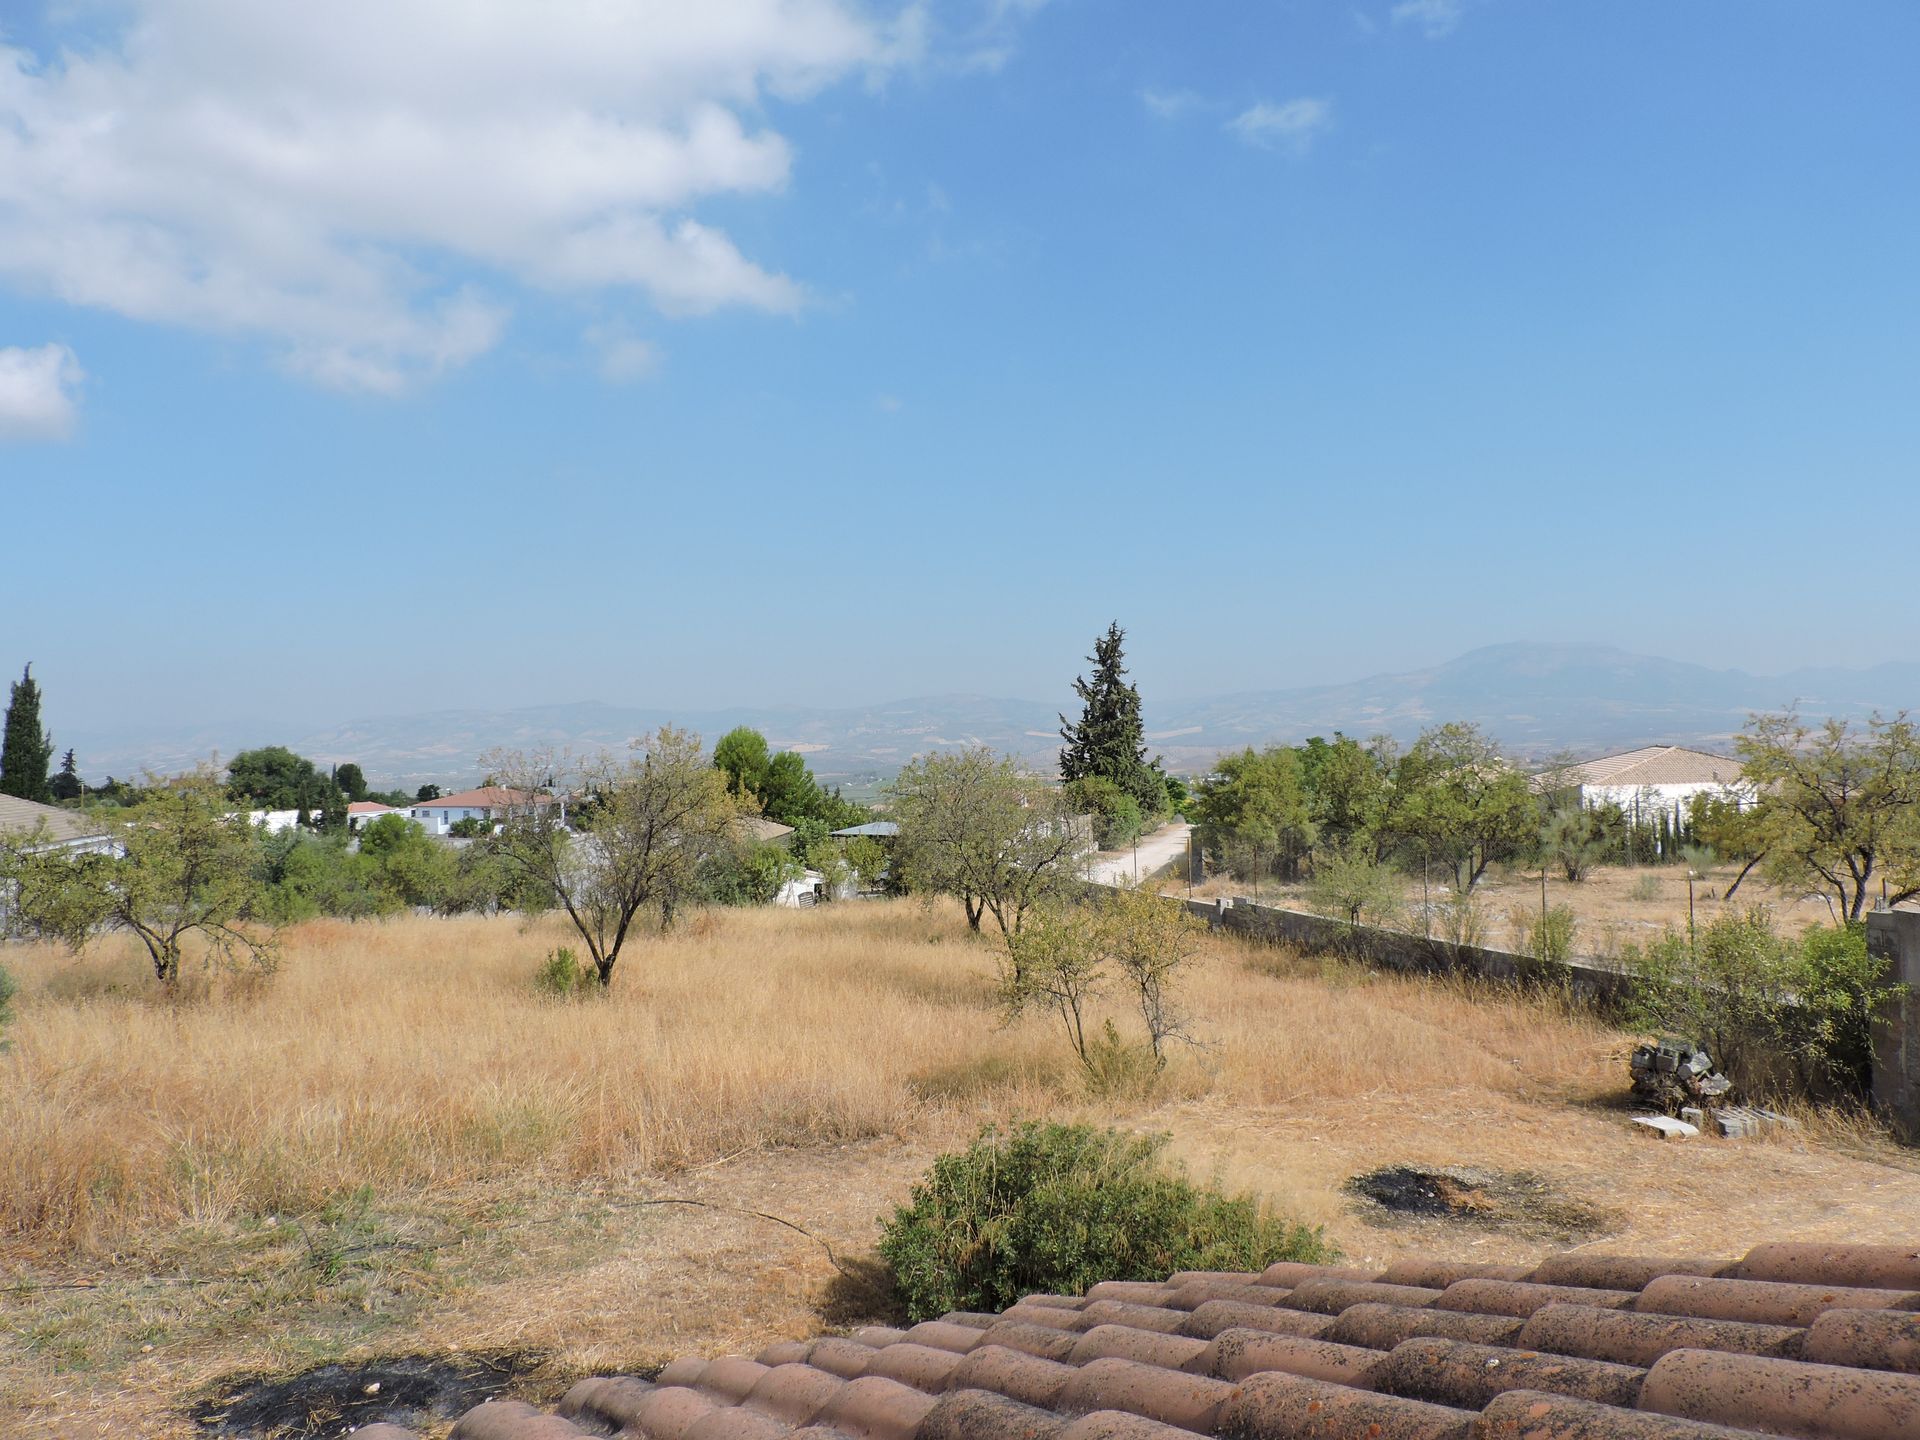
1818,1341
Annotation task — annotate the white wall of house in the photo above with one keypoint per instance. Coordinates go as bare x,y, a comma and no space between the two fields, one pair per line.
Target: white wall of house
1646,803
440,819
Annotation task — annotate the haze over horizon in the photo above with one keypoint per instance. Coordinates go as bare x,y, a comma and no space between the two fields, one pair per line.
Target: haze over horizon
397,358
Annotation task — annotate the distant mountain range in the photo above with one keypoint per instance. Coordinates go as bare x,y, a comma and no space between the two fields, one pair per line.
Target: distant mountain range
1535,698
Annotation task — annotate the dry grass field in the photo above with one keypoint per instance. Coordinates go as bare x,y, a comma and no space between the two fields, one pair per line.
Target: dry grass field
396,1147
1614,907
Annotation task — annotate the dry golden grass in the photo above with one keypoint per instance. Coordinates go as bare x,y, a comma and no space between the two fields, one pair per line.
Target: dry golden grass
1615,906
396,1145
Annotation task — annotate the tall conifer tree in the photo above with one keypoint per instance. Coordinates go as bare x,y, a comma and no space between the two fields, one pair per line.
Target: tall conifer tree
27,749
1109,742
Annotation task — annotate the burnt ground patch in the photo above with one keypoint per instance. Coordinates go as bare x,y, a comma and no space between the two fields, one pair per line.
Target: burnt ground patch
1519,1201
330,1401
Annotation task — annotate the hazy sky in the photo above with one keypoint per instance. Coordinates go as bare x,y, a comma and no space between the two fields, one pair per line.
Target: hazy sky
386,355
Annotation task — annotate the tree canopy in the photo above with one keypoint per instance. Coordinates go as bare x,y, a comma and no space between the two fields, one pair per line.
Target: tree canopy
1839,809
27,749
974,825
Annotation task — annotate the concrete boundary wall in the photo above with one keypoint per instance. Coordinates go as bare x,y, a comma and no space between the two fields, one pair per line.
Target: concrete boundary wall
1402,950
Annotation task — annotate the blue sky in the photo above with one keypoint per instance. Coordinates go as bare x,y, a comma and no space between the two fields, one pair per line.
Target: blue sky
428,353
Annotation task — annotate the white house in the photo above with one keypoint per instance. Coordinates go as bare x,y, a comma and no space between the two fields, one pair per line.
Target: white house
363,812
1658,779
57,829
489,803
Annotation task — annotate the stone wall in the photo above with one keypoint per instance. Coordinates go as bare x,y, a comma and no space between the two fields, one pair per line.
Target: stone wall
1401,950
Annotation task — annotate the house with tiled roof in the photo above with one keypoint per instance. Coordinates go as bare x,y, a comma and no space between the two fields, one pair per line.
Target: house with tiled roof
54,827
1816,1341
1657,779
487,803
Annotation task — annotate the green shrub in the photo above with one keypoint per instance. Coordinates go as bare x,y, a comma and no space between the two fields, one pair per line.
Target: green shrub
1546,937
1646,889
1778,1015
7,991
1062,1207
562,975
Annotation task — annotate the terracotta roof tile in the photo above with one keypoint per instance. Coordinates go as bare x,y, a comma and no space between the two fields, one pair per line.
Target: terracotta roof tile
1810,1342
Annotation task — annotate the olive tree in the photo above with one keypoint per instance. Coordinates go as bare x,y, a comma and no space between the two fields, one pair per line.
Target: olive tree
180,874
609,837
1839,808
975,826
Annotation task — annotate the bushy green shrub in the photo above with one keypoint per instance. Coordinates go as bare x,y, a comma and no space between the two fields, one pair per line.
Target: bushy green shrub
1545,936
562,975
1778,1015
1060,1208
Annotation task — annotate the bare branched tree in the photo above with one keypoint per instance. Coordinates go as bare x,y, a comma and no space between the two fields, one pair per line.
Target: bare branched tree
610,837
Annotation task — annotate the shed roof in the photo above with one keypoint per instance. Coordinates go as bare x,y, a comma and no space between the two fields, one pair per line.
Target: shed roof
882,829
1809,1340
758,827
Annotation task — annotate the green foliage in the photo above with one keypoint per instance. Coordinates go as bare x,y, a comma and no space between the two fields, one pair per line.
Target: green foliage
426,793
784,787
351,780
1776,1014
66,785
27,749
8,989
1061,1207
185,873
1646,889
470,827
562,976
745,874
1253,813
1546,937
1347,787
1572,841
1116,814
274,778
975,826
1108,741
1351,883
870,862
1839,810
1458,802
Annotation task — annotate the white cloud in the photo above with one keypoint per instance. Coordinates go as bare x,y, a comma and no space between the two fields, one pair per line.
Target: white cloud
37,399
1169,104
357,182
1434,17
1293,123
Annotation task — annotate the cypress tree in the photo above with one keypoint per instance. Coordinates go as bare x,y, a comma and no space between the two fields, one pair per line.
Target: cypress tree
66,785
1109,742
27,749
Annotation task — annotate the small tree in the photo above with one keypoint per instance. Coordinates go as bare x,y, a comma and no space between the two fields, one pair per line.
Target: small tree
1351,883
1253,812
1840,809
974,826
1454,798
631,836
1573,842
1150,940
26,749
352,781
1734,827
184,871
67,784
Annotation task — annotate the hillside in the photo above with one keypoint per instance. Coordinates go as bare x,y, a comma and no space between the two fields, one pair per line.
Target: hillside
1537,698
